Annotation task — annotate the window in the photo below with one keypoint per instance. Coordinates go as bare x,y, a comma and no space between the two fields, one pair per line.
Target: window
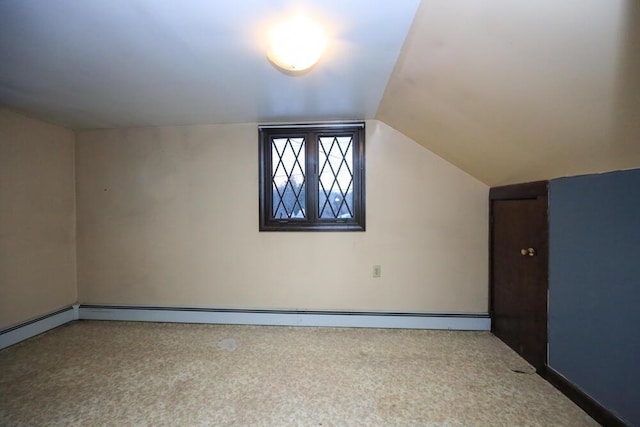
312,177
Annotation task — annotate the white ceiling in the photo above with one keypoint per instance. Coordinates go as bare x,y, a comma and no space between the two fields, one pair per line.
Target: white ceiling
507,90
118,63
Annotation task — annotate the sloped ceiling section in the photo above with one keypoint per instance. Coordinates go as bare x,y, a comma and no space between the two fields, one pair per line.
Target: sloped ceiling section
516,91
507,90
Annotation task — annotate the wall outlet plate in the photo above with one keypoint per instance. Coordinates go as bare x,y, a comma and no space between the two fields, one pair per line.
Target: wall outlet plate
377,271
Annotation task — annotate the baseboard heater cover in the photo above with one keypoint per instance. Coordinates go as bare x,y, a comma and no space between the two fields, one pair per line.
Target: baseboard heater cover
351,319
347,319
37,326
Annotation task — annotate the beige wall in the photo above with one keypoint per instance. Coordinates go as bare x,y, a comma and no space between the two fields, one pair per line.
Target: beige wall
37,218
169,216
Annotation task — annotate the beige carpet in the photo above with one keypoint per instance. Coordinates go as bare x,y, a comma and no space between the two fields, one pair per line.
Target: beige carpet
119,373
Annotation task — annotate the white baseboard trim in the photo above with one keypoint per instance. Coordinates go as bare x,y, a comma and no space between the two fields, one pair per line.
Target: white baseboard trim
31,328
460,322
386,320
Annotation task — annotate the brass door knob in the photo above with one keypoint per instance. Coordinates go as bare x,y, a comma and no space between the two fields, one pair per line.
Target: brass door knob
529,252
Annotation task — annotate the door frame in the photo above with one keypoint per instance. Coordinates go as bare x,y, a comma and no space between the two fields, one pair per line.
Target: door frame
526,191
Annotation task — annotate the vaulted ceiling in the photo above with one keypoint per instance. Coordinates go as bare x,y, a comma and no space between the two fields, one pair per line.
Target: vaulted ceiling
516,91
509,91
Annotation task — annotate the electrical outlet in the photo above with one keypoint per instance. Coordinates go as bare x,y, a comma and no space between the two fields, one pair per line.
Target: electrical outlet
377,271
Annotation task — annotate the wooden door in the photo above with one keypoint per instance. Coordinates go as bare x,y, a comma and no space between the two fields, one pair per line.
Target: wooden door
519,270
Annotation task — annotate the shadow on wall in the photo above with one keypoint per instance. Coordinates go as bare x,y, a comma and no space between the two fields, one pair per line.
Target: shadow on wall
626,106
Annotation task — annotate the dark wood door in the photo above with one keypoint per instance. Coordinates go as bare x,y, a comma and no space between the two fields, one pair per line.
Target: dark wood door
519,270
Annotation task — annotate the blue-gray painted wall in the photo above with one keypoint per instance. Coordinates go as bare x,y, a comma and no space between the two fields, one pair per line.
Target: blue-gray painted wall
594,287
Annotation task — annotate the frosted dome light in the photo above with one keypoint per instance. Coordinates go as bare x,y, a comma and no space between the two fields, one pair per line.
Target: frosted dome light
296,44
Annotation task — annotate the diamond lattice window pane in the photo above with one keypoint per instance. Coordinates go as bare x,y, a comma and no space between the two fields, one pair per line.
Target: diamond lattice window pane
335,189
288,183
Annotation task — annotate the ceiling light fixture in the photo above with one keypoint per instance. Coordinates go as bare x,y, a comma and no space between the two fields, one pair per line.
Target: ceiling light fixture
295,45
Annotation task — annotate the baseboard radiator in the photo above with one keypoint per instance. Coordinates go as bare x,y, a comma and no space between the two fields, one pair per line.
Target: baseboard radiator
37,326
348,319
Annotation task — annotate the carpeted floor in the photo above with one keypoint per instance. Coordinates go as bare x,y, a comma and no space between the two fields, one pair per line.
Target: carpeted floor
118,373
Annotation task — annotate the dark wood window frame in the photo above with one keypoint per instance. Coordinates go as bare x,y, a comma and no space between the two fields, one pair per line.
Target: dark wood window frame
311,134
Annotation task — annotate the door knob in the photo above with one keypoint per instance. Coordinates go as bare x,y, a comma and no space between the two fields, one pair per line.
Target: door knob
529,252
